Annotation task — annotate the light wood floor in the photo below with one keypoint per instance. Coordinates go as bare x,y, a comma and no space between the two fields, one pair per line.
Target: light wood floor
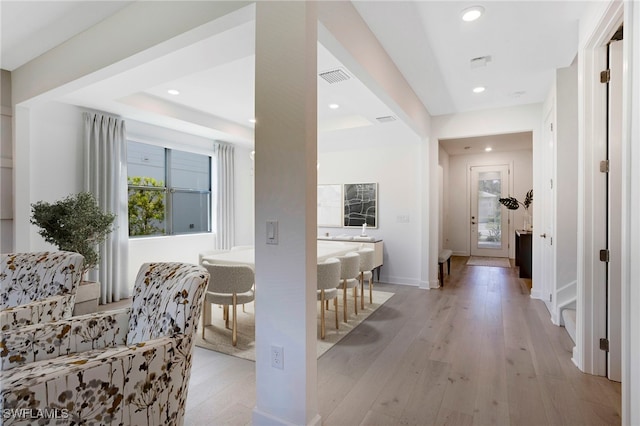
478,351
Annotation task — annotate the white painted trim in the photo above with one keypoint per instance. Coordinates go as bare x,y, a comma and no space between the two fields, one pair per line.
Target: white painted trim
536,294
630,208
6,110
590,318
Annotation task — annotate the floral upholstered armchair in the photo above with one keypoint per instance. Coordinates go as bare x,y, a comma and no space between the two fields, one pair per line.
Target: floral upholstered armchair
124,367
38,287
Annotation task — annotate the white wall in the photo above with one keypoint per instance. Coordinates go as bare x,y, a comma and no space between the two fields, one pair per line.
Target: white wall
388,154
444,221
566,228
458,192
55,158
6,164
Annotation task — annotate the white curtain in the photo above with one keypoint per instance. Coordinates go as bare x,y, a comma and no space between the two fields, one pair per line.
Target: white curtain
105,176
225,213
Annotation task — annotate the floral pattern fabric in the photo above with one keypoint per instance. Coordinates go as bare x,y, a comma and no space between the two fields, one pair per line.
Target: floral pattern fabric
73,335
38,287
140,383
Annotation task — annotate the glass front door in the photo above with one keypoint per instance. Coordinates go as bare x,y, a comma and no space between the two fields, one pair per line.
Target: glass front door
489,221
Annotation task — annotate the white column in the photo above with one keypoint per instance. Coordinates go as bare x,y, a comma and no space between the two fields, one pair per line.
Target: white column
285,186
22,231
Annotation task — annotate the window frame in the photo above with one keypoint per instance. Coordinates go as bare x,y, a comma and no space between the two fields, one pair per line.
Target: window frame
169,190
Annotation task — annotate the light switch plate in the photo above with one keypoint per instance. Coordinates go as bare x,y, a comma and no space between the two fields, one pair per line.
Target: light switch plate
272,232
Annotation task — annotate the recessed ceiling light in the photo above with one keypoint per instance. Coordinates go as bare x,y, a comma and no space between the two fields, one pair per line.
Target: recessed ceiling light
173,92
334,106
488,149
472,13
252,120
478,89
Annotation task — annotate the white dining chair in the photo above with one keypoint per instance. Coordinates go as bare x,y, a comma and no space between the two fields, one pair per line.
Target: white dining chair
366,272
349,272
229,285
328,281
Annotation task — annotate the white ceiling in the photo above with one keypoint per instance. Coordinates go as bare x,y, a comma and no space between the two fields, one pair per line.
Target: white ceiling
430,44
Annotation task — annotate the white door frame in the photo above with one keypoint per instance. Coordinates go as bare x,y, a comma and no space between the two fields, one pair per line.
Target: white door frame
591,315
614,298
546,233
631,207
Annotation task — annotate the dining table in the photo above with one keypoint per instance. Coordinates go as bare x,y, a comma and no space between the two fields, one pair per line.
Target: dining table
246,255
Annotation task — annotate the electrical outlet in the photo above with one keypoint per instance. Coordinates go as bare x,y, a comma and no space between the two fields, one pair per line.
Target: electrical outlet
277,357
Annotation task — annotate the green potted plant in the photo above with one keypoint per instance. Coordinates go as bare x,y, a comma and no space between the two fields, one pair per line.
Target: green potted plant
74,223
77,224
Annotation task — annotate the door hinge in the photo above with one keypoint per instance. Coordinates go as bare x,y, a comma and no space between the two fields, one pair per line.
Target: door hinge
604,255
550,183
550,297
604,166
551,243
605,76
604,344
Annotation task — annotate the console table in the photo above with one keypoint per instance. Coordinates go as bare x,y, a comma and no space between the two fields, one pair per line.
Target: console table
376,244
523,253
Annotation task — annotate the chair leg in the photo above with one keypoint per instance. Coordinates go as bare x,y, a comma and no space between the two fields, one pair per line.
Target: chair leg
344,299
355,299
362,290
234,332
225,314
322,329
335,305
206,316
371,288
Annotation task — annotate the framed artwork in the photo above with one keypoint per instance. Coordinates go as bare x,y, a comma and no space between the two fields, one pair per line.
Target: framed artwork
360,204
330,205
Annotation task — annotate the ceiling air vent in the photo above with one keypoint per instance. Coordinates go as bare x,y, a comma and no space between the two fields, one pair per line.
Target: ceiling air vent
480,61
386,119
334,76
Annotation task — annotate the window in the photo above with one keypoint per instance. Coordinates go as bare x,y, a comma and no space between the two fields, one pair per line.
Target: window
169,191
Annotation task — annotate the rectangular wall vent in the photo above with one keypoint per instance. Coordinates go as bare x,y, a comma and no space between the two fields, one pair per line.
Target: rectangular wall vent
386,119
334,76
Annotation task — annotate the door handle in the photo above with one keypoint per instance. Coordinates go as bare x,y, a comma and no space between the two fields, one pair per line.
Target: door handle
543,235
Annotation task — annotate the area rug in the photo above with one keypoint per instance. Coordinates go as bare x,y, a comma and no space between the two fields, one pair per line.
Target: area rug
218,338
497,262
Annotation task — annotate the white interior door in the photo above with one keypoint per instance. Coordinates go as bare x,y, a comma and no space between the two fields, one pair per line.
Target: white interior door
546,235
614,216
489,221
